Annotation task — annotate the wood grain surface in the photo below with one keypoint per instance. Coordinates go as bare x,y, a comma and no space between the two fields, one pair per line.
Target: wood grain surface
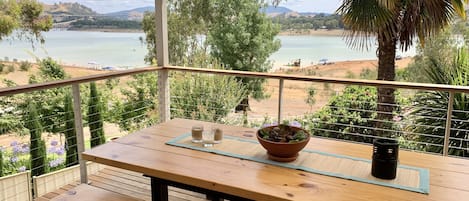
145,151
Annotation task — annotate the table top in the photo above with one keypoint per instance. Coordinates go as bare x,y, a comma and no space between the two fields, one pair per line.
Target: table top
145,151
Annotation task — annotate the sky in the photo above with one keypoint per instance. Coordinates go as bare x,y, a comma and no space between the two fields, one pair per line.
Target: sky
106,6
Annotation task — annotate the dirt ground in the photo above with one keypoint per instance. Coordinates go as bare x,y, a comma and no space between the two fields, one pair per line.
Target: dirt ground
294,94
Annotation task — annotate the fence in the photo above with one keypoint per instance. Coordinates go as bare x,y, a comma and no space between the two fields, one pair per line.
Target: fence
423,118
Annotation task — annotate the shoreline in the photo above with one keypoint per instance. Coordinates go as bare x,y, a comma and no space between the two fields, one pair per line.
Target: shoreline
303,32
312,32
336,69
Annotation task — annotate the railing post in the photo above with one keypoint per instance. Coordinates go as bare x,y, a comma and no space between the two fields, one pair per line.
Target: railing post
280,100
79,130
448,123
162,58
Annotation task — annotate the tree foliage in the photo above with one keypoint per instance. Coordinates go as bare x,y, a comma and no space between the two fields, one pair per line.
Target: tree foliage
70,133
205,97
51,107
187,20
347,116
1,163
306,22
23,16
395,24
139,106
428,106
237,34
95,119
105,23
243,38
37,145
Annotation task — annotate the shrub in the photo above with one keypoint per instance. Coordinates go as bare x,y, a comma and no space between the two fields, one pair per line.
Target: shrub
25,66
349,113
10,68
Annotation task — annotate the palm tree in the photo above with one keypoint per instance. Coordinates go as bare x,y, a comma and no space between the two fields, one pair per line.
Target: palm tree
395,23
430,119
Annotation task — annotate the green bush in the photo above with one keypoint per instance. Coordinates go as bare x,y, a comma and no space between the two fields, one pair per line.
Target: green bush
352,112
2,66
10,68
25,66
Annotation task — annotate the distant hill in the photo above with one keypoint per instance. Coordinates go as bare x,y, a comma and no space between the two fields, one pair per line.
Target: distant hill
273,11
133,14
277,10
69,9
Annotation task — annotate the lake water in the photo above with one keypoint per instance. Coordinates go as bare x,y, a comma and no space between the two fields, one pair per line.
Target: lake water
102,49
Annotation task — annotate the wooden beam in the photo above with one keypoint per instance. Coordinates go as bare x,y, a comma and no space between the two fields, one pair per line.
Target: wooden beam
161,23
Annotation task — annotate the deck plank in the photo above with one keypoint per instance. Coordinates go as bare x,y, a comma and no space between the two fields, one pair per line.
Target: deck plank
127,183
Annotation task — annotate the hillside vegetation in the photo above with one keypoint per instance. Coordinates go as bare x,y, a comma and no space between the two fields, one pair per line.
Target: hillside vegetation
68,9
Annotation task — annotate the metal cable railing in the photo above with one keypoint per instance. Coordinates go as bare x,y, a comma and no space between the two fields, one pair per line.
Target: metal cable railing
417,126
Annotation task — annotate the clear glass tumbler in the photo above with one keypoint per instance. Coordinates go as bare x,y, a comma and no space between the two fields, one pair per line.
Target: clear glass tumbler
208,138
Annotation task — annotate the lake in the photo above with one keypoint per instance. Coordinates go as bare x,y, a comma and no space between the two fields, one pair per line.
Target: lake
103,49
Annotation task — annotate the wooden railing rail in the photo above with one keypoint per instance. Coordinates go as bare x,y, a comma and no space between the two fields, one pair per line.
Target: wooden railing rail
374,83
71,81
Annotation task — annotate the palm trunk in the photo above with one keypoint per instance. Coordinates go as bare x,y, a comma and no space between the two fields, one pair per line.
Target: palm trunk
386,71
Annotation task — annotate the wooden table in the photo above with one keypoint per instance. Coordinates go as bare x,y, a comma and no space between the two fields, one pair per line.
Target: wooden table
145,151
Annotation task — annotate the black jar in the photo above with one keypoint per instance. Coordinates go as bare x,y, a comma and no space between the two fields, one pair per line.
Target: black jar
385,158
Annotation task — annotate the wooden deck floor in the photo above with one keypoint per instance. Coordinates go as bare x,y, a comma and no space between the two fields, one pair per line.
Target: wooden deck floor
126,182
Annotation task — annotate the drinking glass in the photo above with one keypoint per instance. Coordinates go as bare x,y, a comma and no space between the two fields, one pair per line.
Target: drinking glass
207,137
217,135
197,131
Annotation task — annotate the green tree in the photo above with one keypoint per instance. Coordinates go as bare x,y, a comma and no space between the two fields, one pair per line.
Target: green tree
24,17
395,23
139,108
70,133
51,106
187,19
243,38
431,120
95,119
1,163
37,145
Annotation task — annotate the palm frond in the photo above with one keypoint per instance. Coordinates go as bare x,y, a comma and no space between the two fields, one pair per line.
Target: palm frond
459,7
365,18
426,18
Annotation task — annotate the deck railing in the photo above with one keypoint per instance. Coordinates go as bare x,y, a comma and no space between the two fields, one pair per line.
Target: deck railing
343,128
